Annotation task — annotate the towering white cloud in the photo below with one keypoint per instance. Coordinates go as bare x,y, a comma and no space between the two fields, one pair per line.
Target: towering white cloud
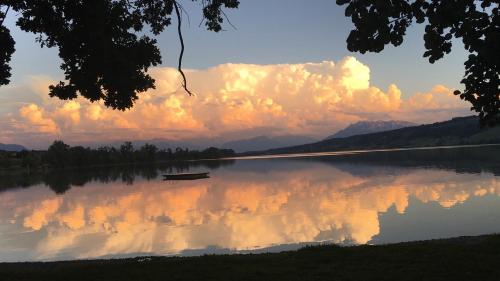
311,98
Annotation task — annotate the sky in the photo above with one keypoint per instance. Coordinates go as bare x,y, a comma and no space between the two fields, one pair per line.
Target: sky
283,70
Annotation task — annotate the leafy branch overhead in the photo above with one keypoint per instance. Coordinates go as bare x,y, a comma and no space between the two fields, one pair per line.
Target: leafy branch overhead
102,44
106,55
476,23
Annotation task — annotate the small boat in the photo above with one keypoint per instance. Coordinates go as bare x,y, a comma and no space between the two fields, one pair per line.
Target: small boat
186,176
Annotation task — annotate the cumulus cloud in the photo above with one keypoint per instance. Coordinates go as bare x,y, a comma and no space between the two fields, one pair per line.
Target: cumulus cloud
37,119
239,210
308,99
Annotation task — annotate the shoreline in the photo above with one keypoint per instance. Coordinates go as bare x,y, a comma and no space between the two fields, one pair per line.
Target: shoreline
350,152
242,156
459,258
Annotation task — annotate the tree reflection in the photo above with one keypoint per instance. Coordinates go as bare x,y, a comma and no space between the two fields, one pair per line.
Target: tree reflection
469,160
241,208
61,181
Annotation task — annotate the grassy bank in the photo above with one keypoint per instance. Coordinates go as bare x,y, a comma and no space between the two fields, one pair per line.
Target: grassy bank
466,258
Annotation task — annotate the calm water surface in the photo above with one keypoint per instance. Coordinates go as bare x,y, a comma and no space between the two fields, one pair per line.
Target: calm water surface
251,205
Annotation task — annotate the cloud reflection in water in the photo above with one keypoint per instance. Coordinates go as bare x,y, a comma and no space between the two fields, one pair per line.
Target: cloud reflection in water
236,209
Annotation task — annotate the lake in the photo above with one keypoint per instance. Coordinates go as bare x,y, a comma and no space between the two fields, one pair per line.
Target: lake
251,205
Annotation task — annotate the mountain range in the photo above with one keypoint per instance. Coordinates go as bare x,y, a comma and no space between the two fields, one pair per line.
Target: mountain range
457,131
265,142
360,135
11,147
367,127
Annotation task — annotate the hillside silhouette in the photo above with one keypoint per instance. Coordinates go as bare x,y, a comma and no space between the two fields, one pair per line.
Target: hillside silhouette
457,131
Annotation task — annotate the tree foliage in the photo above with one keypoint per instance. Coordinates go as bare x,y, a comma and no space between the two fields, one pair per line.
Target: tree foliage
106,46
476,23
60,156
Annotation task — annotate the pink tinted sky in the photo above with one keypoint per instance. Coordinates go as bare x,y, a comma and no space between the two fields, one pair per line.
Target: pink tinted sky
272,76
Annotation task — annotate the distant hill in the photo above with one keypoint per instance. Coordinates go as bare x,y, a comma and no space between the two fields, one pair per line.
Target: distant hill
458,131
264,143
367,127
11,147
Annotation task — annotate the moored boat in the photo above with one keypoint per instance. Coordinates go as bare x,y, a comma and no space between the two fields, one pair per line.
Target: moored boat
186,176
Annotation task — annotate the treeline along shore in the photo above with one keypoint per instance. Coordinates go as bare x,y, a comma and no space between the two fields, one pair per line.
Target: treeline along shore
60,156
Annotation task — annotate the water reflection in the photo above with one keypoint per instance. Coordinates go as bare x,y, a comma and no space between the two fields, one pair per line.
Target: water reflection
247,205
60,181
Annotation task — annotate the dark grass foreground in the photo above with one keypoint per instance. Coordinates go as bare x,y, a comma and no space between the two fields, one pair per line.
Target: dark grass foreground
466,258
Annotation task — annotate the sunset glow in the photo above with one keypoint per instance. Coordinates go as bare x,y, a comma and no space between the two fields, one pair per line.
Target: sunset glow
243,100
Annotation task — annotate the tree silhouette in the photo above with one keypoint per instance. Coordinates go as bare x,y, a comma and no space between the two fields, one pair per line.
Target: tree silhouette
58,155
106,52
102,43
127,151
62,156
6,51
477,23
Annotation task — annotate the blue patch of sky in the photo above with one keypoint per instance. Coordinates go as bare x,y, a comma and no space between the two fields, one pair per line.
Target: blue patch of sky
274,32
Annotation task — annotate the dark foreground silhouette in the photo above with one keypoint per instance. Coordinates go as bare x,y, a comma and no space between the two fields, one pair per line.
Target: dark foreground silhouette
465,258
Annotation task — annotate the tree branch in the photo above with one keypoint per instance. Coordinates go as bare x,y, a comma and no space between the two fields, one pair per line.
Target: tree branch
227,19
179,31
5,15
